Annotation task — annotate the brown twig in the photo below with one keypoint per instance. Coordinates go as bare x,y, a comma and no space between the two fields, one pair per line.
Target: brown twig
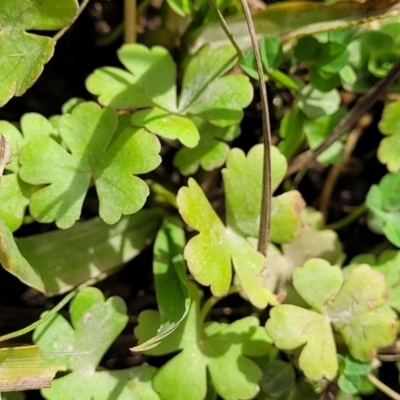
335,171
363,104
265,218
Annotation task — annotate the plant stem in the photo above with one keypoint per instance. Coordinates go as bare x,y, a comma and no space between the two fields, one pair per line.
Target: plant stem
363,104
225,27
61,32
265,214
48,314
210,303
130,21
382,387
335,171
348,219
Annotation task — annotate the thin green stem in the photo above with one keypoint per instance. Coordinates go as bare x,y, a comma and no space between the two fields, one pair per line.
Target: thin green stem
210,303
348,219
48,314
60,33
225,27
382,387
265,214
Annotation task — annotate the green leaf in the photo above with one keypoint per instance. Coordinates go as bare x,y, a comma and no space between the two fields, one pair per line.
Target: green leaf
388,153
285,216
168,126
331,57
291,326
384,205
212,150
95,324
315,103
23,54
316,130
388,264
151,82
310,243
220,349
278,377
306,48
26,367
209,254
350,305
243,180
271,52
15,193
182,7
170,280
271,57
349,383
293,19
218,100
13,261
99,250
291,131
96,150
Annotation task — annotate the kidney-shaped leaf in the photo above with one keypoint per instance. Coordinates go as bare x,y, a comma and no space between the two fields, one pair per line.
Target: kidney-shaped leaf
95,324
351,305
23,54
96,151
210,253
222,349
14,192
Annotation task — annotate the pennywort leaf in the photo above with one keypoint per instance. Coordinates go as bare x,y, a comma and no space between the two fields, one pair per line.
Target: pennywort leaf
23,54
95,324
220,349
96,152
151,84
349,305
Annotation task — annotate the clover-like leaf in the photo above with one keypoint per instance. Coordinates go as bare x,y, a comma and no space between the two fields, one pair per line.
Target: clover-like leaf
388,150
169,126
352,374
349,305
388,264
312,242
209,255
95,324
14,192
23,54
98,151
212,150
151,82
243,182
315,103
170,280
218,348
384,206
